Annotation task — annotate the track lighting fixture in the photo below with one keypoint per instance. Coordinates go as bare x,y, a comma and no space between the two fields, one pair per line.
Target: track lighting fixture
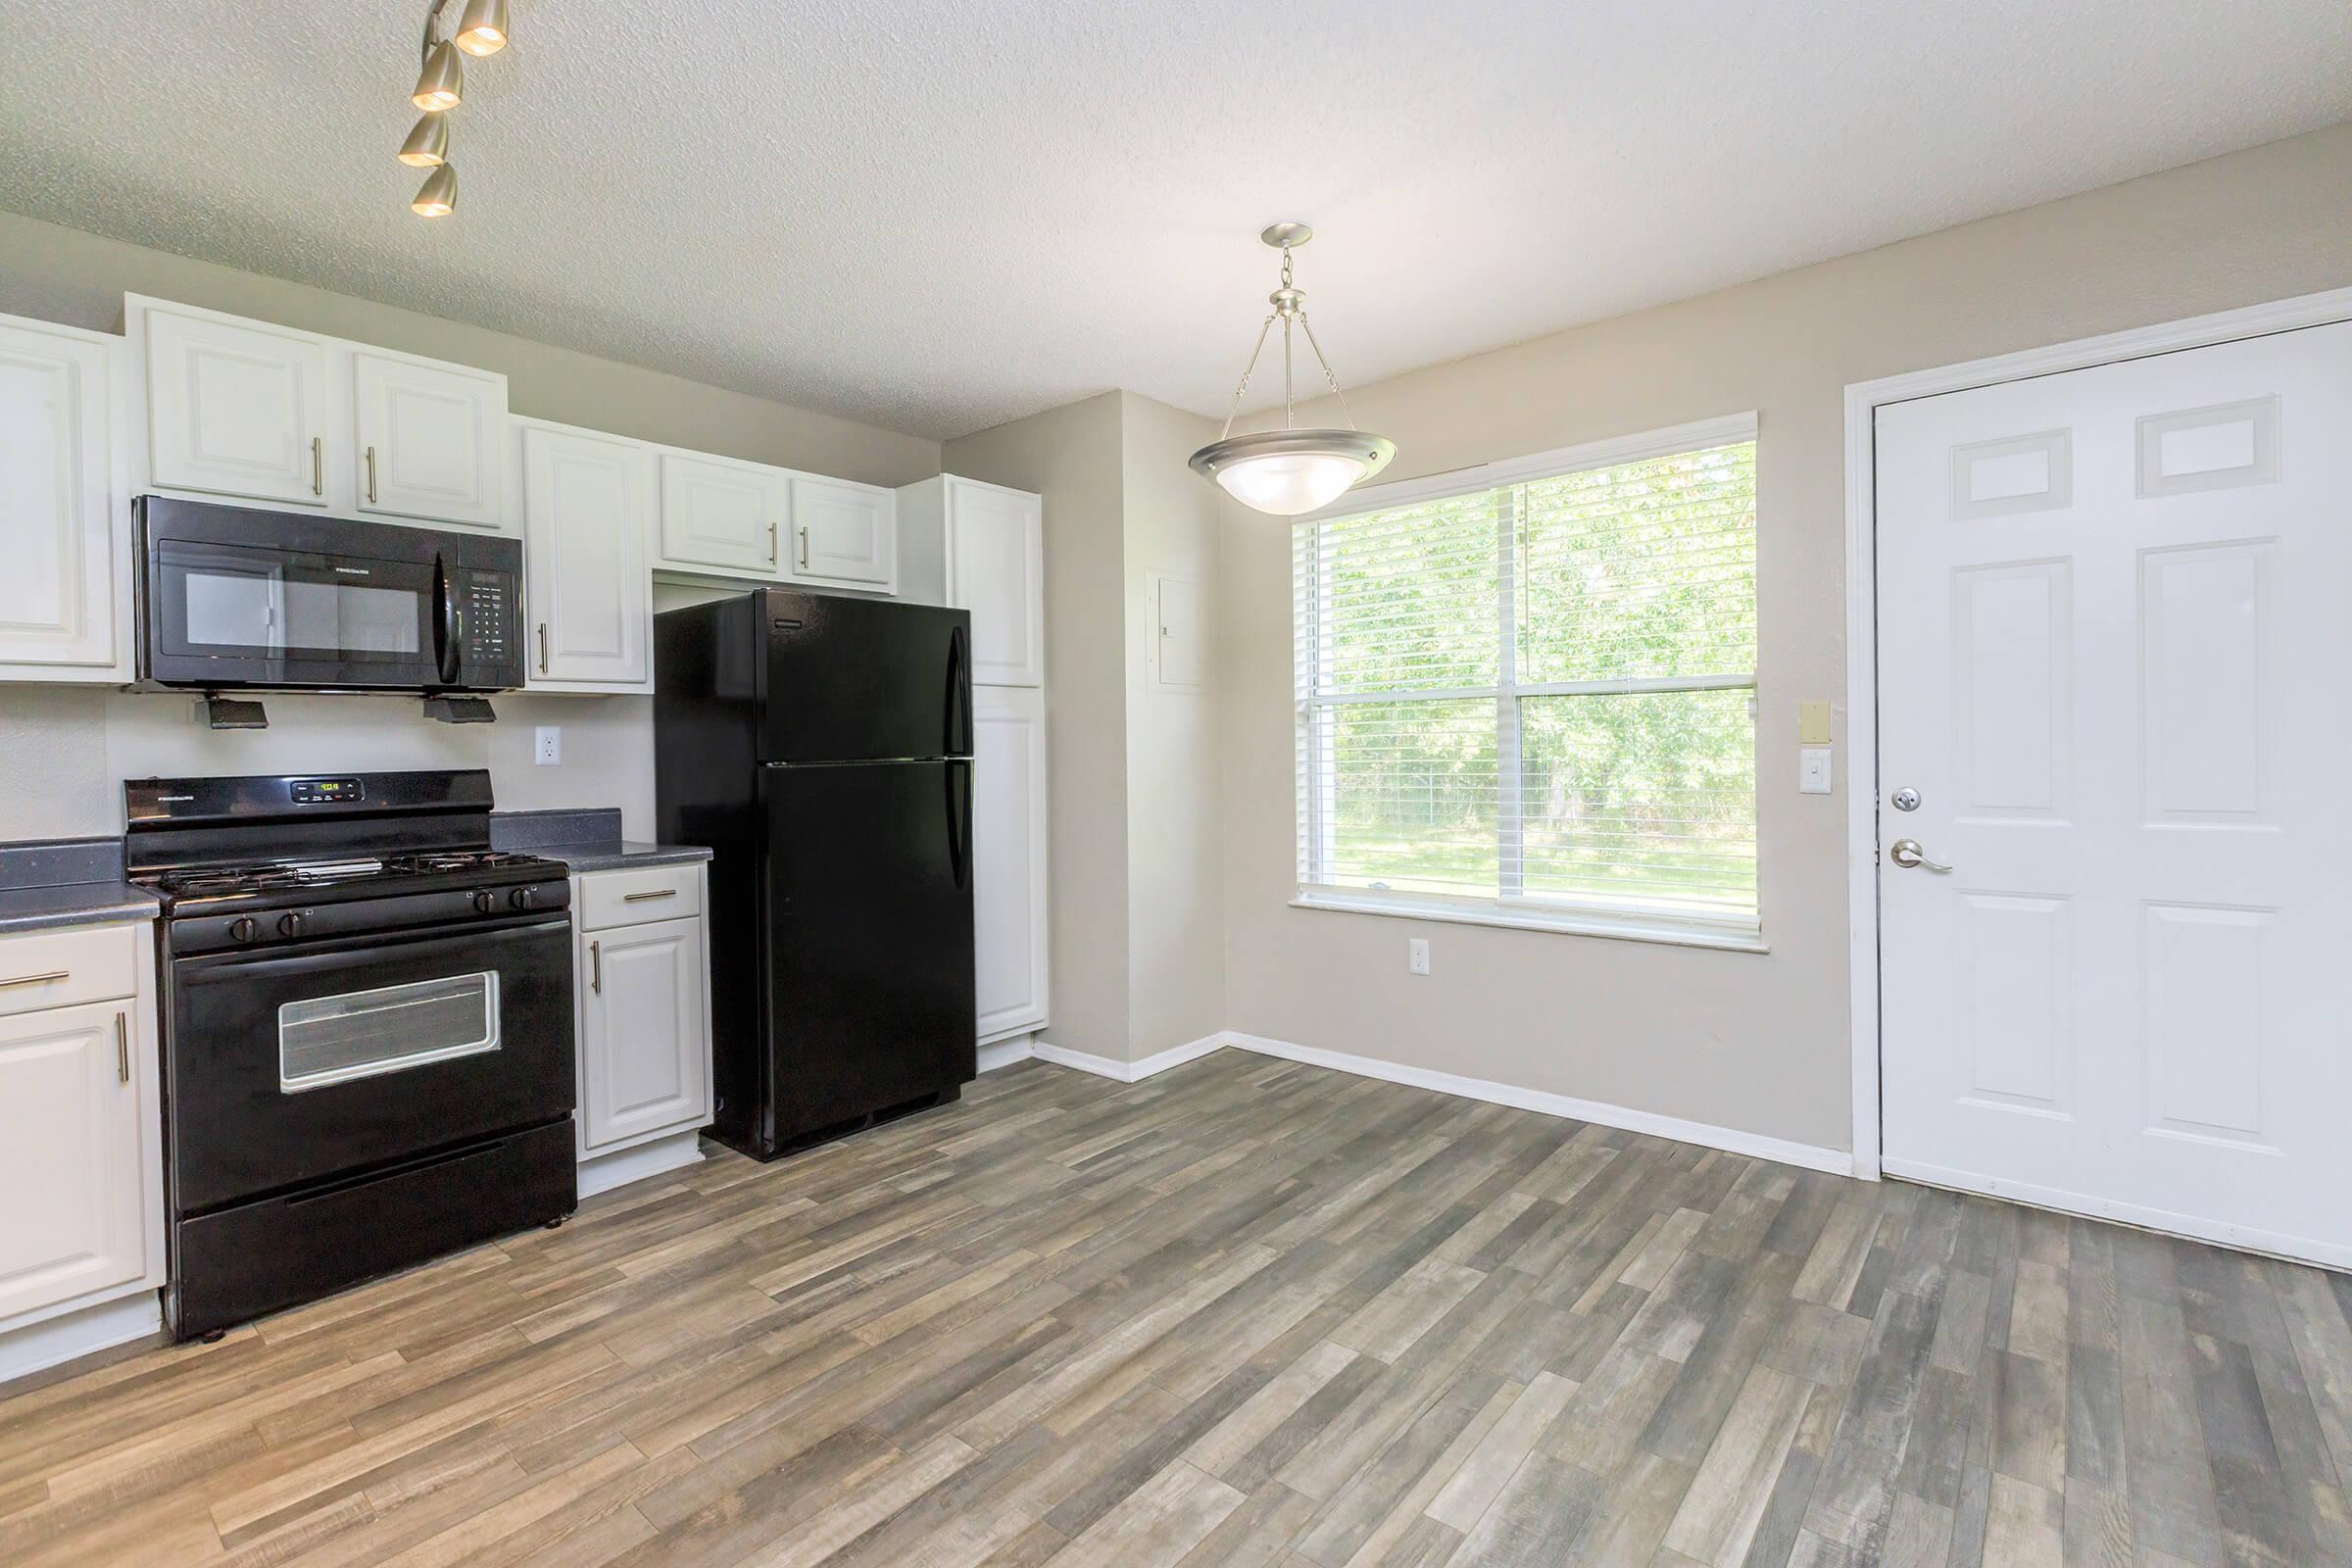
440,87
437,197
482,29
428,146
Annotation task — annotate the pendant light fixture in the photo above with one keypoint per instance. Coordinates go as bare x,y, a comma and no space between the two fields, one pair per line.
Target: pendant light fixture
1289,470
441,87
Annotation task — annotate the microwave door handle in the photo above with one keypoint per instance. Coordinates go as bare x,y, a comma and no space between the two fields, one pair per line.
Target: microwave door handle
447,604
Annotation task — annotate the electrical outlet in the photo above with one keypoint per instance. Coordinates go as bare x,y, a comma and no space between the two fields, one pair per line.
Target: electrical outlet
1416,954
550,753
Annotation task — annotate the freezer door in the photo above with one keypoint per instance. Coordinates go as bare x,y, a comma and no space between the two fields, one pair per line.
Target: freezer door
869,906
862,679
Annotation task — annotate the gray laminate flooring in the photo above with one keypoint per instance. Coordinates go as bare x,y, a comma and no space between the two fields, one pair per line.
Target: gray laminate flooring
1246,1312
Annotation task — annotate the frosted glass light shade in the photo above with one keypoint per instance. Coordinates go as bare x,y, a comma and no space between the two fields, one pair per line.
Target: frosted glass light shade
1287,473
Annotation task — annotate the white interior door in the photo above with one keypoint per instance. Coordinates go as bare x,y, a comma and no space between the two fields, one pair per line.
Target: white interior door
2113,608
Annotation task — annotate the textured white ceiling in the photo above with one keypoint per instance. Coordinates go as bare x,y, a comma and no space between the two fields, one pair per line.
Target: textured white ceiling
940,217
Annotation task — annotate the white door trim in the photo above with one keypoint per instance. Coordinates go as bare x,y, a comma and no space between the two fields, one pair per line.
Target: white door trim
1862,398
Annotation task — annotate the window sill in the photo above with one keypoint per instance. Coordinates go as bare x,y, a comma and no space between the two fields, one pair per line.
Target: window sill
1623,928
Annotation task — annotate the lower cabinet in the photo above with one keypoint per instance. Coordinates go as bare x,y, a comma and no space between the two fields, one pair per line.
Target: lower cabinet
80,1133
1008,857
644,1013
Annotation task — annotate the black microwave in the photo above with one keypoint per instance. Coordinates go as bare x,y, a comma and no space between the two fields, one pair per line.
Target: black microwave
236,597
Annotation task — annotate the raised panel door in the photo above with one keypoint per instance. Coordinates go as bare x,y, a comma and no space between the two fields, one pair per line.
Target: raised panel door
996,569
236,408
430,440
71,1126
56,596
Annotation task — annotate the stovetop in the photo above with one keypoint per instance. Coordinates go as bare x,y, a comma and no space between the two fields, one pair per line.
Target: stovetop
307,877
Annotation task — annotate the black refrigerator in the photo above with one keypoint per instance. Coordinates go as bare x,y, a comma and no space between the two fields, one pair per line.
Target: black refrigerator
821,746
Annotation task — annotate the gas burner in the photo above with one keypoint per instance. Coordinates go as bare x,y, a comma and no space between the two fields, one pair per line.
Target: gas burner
274,875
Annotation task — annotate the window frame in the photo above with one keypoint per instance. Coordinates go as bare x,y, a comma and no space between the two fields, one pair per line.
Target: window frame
1583,916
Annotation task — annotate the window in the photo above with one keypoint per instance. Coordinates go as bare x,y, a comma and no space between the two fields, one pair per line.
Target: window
1532,702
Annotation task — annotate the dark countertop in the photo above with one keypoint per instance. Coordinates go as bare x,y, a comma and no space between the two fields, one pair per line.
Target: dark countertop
64,882
585,840
625,855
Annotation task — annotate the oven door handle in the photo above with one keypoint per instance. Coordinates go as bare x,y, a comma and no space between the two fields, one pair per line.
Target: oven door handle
446,638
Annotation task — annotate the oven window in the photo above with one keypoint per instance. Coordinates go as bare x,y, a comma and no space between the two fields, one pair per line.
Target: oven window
234,608
361,1034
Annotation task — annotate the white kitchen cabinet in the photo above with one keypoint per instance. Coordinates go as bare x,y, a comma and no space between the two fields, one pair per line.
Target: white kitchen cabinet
845,533
430,439
643,977
643,1056
80,1133
63,591
585,500
723,517
993,542
235,408
1008,859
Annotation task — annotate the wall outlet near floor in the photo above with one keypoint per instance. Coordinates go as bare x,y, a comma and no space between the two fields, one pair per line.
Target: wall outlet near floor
549,752
1416,954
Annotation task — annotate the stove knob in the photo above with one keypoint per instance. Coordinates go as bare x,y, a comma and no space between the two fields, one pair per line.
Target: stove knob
485,901
289,925
243,928
523,897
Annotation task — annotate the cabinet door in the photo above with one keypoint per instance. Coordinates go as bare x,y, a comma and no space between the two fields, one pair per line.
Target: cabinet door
71,1125
236,408
1008,857
584,500
57,597
644,1058
428,440
845,532
996,571
718,516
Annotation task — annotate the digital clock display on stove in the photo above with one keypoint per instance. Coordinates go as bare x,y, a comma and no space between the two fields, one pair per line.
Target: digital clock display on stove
324,790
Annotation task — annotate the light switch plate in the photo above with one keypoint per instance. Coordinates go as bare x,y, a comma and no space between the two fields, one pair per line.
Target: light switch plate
1815,771
548,751
1813,723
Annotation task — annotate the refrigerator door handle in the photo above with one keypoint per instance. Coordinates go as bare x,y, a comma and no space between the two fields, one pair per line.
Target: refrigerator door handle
959,820
960,694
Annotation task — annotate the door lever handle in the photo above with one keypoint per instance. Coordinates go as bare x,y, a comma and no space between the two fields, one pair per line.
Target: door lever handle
1909,854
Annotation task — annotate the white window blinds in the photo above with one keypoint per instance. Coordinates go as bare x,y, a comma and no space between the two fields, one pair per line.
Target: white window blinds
1534,700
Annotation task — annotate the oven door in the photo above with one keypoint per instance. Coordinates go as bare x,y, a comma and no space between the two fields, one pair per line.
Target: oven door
296,1064
232,614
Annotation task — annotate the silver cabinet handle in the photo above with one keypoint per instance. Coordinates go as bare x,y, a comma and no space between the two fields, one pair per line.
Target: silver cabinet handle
123,1045
543,648
37,979
772,541
596,967
804,547
658,893
318,465
372,475
1908,853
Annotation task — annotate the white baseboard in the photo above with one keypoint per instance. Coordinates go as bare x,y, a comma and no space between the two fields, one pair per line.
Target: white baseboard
2298,1249
1128,1072
1811,1156
80,1334
1004,1053
623,1166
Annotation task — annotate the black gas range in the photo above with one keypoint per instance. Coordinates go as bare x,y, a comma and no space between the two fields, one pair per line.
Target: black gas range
367,1031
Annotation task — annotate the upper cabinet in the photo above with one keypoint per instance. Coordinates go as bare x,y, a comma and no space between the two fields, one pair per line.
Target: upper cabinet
724,517
846,533
429,438
586,500
58,599
235,408
719,515
994,550
252,411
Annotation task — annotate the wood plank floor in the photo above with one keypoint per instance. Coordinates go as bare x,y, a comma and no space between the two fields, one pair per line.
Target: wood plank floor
1246,1312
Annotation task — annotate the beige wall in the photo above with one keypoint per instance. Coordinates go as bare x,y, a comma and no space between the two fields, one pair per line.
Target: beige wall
1755,1043
1070,456
1175,849
63,752
62,275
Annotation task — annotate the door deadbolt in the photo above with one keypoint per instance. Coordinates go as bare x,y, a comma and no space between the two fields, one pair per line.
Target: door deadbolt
1905,799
